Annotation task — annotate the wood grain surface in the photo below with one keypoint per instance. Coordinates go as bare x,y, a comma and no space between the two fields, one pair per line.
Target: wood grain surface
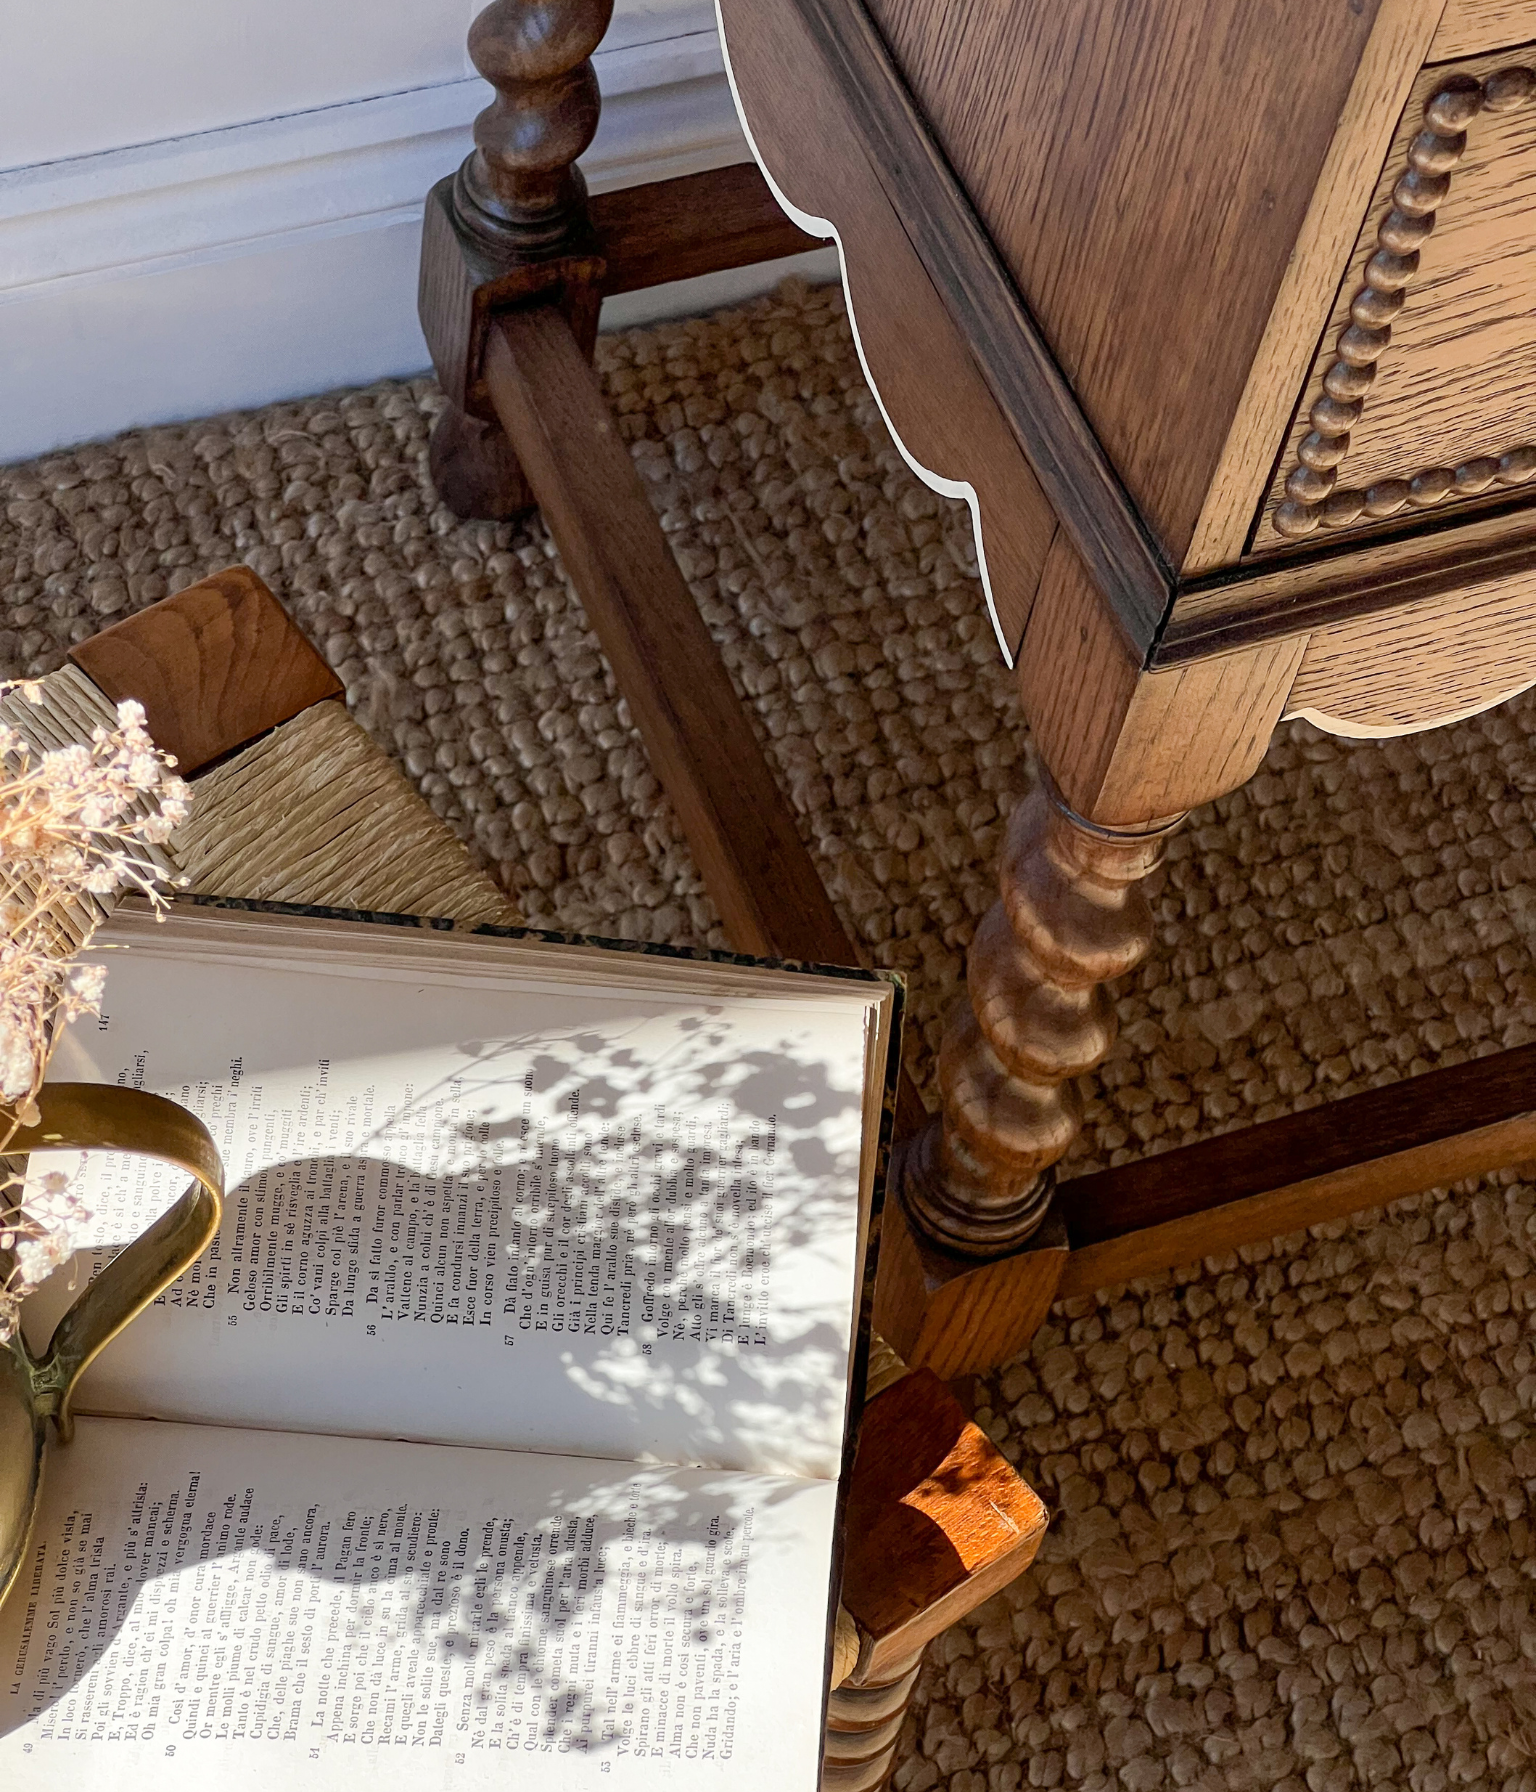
937,1520
214,666
1145,168
1128,747
1349,1133
698,224
1422,664
926,378
1339,578
1088,494
697,734
1458,380
700,740
957,1316
1310,1202
1078,680
1423,1132
1359,145
1469,27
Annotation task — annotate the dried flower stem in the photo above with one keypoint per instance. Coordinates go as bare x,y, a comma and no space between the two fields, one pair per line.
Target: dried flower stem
74,826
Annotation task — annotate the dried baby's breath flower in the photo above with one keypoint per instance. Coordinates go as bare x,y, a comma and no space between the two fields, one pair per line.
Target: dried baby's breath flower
74,826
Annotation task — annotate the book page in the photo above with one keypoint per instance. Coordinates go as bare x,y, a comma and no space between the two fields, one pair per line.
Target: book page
268,1612
617,1222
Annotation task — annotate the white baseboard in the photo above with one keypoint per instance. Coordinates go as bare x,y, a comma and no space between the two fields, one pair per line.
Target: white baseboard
270,260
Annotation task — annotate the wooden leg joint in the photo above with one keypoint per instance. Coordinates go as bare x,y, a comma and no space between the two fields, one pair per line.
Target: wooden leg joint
510,228
937,1522
955,1315
467,280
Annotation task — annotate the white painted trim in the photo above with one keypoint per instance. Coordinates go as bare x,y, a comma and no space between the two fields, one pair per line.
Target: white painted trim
272,259
1352,730
824,227
665,111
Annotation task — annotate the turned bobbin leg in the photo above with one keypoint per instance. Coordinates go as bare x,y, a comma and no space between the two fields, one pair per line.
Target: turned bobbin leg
1036,1015
864,1727
977,1249
511,226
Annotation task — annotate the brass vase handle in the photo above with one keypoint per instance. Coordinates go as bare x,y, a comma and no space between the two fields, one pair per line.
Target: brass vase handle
102,1117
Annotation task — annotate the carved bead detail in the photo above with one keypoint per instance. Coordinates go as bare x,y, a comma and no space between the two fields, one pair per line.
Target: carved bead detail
1322,452
1347,383
1309,486
1418,193
1338,508
1362,346
1429,488
1517,466
1431,153
977,1180
1509,89
1455,105
1312,497
1475,476
1389,272
520,186
1386,497
1376,307
1331,418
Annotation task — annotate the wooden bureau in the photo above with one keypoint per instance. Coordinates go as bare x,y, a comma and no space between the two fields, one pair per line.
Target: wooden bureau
1222,316
1218,314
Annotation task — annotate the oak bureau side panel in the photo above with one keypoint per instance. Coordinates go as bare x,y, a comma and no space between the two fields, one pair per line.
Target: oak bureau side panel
1423,392
1469,27
919,364
1423,664
1144,167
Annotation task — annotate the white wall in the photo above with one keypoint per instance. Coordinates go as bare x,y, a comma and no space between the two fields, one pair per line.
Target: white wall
89,75
210,204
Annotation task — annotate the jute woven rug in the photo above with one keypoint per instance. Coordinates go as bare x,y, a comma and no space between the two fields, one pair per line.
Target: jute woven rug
1292,1545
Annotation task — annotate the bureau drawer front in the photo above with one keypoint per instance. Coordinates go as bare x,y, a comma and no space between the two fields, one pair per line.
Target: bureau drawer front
1423,392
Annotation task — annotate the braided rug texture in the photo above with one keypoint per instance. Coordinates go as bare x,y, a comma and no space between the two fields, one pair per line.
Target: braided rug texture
1292,1487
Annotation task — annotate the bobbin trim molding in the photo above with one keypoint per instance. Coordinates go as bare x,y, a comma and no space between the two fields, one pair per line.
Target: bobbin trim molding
1312,499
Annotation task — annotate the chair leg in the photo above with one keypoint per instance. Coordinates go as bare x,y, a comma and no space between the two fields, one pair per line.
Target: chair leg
510,226
474,469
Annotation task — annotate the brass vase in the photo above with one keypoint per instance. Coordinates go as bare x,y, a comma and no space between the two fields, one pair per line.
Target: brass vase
37,1390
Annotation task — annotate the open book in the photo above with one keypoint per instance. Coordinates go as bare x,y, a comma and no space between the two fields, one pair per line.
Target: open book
497,1439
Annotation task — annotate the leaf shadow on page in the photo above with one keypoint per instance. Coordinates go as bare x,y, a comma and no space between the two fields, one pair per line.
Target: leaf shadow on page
523,1253
584,1620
